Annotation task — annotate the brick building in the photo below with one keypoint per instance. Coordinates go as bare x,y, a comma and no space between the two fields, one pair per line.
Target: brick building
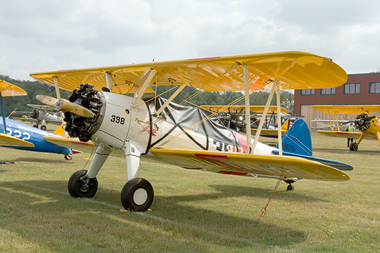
361,89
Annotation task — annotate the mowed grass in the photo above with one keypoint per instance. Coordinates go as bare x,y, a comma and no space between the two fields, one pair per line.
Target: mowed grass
193,211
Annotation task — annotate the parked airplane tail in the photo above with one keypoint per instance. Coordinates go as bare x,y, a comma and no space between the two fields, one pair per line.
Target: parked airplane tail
297,139
285,126
297,142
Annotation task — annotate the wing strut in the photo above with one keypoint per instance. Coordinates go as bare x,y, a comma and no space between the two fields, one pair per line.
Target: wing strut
144,87
2,111
108,81
180,88
258,132
58,93
279,133
247,111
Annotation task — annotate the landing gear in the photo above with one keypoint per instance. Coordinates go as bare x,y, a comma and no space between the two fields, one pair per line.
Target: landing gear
290,186
137,195
68,157
81,186
36,126
43,127
354,146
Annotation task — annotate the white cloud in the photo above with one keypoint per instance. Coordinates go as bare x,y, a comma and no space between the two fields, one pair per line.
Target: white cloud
43,35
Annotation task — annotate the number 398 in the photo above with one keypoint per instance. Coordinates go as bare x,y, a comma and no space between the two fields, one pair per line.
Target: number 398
117,119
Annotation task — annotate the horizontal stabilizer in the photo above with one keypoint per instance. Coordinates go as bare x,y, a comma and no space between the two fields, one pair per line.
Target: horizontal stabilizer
331,163
7,140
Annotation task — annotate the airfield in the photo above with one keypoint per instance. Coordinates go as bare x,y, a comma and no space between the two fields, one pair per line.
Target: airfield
193,211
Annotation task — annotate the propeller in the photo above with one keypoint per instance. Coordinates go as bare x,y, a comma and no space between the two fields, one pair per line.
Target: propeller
65,105
363,121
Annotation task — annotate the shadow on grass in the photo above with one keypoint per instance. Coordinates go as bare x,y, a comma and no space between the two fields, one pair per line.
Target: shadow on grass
58,159
42,212
345,151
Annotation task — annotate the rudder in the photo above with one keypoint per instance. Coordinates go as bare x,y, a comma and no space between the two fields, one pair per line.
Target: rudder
297,139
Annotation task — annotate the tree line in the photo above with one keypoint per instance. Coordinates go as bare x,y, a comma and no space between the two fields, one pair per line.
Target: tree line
190,95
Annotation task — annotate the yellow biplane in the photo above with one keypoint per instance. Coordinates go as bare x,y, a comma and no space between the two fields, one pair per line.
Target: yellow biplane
232,116
365,122
159,130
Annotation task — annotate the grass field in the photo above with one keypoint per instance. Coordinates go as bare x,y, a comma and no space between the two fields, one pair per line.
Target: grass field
193,211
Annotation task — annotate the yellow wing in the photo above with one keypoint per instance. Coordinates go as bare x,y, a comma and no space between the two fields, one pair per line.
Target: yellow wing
234,108
240,164
292,69
354,135
347,109
7,140
71,143
10,90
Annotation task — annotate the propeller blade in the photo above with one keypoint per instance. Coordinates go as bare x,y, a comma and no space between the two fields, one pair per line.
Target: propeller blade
65,105
369,118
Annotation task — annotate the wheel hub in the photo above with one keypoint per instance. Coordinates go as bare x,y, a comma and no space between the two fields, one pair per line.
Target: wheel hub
140,196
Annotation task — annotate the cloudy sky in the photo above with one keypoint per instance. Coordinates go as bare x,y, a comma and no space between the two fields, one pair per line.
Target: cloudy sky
47,35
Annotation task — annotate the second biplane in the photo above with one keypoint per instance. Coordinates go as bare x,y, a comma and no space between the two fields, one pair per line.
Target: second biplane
157,129
233,116
365,122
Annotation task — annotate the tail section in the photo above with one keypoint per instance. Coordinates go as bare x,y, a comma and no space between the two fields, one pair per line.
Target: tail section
297,142
60,131
285,126
297,139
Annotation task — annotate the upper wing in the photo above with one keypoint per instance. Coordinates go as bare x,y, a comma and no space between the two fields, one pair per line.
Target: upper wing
253,108
355,135
347,109
247,163
292,69
7,140
10,90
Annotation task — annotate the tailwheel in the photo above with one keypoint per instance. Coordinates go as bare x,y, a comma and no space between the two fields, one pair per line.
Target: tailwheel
68,157
137,195
81,186
290,187
354,146
290,181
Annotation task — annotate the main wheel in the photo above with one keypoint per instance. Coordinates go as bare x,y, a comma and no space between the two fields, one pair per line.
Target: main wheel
354,146
43,127
137,195
80,186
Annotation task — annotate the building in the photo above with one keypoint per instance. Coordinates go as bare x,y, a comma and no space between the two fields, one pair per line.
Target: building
363,89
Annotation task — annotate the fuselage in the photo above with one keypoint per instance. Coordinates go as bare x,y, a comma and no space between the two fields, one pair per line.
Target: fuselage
33,135
119,122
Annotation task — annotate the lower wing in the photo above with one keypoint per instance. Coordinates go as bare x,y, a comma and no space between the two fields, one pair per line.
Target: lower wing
236,163
340,134
74,144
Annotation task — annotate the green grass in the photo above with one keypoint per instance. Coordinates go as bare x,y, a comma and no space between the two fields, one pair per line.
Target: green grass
193,211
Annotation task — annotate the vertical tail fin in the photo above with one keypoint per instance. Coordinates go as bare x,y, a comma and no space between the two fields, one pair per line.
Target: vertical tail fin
285,126
297,139
60,131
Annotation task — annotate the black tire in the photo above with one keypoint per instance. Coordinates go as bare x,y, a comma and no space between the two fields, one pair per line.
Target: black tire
43,127
137,195
354,146
290,188
77,188
36,126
